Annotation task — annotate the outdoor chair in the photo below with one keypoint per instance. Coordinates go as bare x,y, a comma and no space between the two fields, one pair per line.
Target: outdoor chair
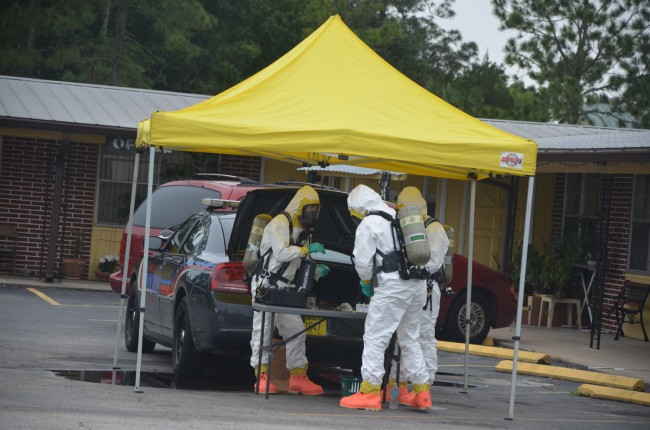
628,304
8,246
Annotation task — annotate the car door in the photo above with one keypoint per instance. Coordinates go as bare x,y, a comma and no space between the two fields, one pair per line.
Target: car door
180,259
165,265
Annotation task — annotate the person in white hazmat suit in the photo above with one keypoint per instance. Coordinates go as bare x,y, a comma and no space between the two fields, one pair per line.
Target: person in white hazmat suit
395,306
286,252
438,244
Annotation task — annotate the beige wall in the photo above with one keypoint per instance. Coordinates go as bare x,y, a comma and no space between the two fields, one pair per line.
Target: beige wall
104,241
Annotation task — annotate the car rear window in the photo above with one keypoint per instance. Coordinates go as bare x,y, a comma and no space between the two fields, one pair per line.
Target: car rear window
171,205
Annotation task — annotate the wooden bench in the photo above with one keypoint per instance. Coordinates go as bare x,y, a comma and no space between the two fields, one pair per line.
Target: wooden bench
628,304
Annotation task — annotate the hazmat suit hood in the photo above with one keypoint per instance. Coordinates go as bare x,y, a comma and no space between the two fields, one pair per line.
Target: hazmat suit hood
363,199
411,196
304,196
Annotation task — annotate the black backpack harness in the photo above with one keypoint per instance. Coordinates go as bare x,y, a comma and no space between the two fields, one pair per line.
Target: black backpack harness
261,269
396,261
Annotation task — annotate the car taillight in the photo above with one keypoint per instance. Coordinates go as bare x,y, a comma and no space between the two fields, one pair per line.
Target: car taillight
229,277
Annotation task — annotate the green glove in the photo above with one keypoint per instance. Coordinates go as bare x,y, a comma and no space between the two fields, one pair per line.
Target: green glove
366,288
322,270
316,247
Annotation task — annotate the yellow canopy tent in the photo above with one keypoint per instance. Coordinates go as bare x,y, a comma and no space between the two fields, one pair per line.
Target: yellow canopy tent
332,100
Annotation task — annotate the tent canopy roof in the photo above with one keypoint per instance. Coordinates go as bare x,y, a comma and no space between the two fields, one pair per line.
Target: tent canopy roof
332,100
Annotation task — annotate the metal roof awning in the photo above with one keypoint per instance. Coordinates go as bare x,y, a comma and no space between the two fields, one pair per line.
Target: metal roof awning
345,171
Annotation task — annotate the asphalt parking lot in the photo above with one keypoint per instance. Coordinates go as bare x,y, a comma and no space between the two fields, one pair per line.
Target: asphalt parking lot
78,335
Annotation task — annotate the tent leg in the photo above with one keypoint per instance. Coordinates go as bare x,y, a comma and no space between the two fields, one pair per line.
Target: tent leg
520,298
125,263
144,266
470,256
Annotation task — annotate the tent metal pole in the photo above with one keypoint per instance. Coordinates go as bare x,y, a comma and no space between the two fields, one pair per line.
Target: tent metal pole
125,263
143,267
441,201
470,256
463,221
520,298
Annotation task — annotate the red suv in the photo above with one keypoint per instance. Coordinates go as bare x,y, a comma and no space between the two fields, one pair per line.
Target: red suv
171,204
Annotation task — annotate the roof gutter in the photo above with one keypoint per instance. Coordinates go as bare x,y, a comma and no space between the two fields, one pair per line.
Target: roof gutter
636,155
70,127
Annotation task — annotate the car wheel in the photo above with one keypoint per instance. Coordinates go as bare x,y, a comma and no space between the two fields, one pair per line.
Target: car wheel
132,324
480,316
186,360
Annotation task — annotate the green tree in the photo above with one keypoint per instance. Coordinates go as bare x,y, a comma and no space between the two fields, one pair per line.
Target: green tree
578,50
482,90
139,43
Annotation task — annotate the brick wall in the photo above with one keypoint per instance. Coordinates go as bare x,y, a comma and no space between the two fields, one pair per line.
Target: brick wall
618,238
23,178
617,242
248,167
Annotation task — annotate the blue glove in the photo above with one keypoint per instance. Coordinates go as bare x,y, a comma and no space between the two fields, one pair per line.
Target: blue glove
366,288
316,247
322,270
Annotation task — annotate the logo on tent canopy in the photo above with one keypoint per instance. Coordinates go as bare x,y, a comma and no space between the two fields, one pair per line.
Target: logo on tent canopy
512,160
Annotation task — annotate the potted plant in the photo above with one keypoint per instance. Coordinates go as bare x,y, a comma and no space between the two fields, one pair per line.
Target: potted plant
107,265
558,273
74,267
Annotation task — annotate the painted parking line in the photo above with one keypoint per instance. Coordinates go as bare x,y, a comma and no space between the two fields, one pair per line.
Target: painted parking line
44,297
55,303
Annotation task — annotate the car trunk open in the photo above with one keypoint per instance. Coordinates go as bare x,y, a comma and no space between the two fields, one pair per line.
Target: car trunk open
335,230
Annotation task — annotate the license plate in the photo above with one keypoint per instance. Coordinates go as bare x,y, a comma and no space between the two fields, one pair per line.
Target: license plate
319,330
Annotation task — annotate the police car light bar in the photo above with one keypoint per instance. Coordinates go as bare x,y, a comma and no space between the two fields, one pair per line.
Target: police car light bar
220,203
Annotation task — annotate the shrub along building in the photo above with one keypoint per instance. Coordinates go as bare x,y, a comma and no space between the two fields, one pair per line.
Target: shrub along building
67,158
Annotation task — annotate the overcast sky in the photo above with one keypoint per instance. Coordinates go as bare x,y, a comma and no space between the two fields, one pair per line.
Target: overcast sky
476,22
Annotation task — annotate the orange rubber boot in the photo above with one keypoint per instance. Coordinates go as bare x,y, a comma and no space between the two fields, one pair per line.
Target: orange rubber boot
422,400
369,402
405,397
300,384
263,379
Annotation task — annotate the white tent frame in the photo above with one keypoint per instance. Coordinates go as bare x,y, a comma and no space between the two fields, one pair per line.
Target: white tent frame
143,277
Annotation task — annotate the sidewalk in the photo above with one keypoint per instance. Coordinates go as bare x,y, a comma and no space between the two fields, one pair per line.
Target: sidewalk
68,284
565,346
570,346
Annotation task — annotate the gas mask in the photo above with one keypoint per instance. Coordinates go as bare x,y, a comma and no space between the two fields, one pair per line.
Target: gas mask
309,216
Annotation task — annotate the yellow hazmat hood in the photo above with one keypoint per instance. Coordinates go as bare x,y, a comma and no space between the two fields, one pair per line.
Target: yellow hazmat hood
330,100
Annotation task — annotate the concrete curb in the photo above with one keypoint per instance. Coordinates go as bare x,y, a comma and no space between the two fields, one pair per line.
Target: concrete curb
568,374
494,351
599,392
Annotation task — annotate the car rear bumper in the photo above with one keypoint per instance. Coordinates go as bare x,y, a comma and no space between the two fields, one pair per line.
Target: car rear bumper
229,333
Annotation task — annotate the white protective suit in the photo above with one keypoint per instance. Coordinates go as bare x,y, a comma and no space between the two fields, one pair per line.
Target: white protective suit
438,244
276,237
396,304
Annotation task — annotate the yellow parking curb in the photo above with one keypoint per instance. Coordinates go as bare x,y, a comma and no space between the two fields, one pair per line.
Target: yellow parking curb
494,351
609,393
565,373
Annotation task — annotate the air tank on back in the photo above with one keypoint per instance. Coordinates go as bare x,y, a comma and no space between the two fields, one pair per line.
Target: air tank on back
418,252
257,230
